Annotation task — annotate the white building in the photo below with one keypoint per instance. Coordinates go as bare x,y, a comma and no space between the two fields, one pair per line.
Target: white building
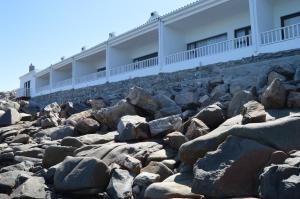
201,33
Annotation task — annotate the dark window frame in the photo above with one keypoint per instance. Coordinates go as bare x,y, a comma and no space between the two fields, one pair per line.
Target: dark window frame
247,28
195,42
290,16
145,57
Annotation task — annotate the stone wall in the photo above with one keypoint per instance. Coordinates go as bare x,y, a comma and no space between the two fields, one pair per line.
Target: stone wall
240,74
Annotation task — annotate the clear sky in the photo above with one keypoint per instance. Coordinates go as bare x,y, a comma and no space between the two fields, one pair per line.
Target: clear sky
42,31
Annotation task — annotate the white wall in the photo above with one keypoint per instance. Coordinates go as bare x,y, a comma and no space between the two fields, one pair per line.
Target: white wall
83,68
43,80
143,49
264,15
29,77
173,41
119,57
62,74
283,8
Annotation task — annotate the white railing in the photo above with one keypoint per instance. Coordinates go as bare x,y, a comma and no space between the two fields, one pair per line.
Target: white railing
135,66
280,34
43,88
23,92
220,47
63,83
91,77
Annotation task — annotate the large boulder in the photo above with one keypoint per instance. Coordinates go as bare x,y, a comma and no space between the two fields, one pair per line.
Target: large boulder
141,182
158,168
8,180
33,188
56,154
275,95
253,112
274,75
165,124
10,117
56,133
98,138
212,116
282,134
230,170
280,182
81,175
75,118
175,139
87,126
110,116
50,108
293,100
120,185
133,127
142,99
167,106
196,128
29,107
237,102
186,99
8,104
176,186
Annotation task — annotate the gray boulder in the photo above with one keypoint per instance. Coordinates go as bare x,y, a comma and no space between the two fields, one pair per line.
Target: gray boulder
212,115
8,180
120,185
8,104
236,104
196,128
142,99
275,95
56,133
56,154
110,116
158,168
141,182
87,126
167,107
253,112
165,124
98,138
274,75
10,117
33,188
133,127
175,139
230,170
293,100
81,175
280,182
282,134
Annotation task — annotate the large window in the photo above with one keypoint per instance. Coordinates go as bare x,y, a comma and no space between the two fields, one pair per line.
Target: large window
207,41
241,37
291,26
291,19
139,64
27,89
138,59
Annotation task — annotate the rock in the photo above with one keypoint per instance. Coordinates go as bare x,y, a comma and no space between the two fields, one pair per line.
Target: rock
21,138
56,133
8,104
165,124
56,154
285,69
68,109
204,100
8,180
230,170
34,152
72,142
73,119
98,138
162,154
81,175
253,112
87,126
211,115
176,186
142,99
25,117
293,100
29,107
293,161
4,196
167,107
280,182
196,128
51,108
23,166
175,139
218,92
120,185
33,188
170,163
297,74
141,182
274,75
49,122
133,127
212,83
278,157
97,104
281,134
237,102
131,164
158,168
275,95
186,98
110,116
10,117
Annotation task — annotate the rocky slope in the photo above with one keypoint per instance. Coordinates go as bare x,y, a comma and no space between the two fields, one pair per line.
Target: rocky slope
209,144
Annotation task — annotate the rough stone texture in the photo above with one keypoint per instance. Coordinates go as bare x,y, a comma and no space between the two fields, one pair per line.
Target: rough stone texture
158,168
274,75
231,170
87,126
253,112
212,116
162,125
275,95
196,128
248,68
236,104
34,188
293,100
56,133
141,182
10,117
56,154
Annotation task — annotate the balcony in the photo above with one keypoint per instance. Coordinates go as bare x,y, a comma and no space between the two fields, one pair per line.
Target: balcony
148,63
23,93
91,77
209,50
280,34
43,89
63,83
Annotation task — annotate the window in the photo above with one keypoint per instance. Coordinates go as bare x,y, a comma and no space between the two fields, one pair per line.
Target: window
138,64
206,42
289,30
101,69
27,89
242,40
145,57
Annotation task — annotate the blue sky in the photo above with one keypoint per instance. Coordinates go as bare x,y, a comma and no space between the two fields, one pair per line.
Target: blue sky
42,31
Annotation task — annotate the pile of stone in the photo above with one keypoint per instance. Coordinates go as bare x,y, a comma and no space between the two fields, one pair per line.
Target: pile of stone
205,144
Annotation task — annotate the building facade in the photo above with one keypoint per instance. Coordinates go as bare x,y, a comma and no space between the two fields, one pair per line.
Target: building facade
201,33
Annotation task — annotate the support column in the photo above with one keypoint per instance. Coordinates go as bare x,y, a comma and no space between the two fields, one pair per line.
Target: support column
74,72
254,25
107,60
51,78
161,54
